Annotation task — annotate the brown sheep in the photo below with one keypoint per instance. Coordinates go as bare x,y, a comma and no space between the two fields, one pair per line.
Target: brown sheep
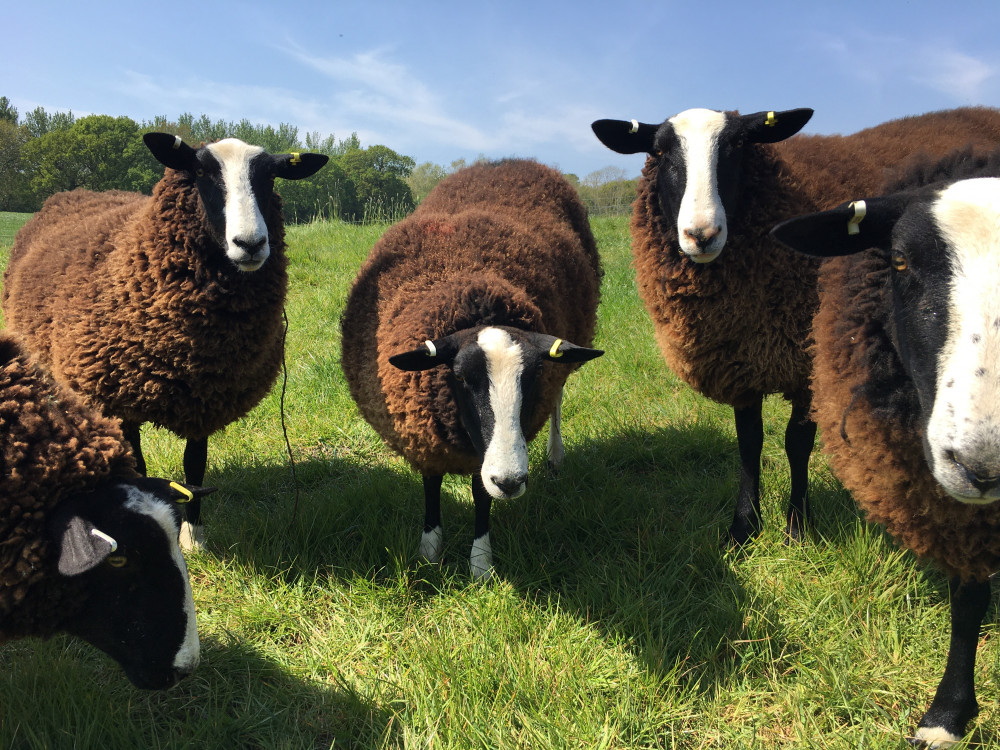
86,545
737,329
906,386
492,277
165,309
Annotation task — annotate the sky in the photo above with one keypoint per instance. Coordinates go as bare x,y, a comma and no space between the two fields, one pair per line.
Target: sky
442,81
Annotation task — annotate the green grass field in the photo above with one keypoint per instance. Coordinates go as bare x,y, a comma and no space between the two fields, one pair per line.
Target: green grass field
615,620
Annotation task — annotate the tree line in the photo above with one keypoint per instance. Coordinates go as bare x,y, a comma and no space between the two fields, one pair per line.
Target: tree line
43,153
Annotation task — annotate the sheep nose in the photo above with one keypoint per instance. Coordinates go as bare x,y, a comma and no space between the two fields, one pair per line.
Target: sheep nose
979,476
701,236
510,485
251,246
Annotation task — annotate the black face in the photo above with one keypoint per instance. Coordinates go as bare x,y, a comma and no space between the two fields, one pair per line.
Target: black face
138,607
673,166
921,274
471,386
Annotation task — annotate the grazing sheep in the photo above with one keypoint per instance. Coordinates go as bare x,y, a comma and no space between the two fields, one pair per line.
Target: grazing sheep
737,329
86,545
906,389
165,309
451,325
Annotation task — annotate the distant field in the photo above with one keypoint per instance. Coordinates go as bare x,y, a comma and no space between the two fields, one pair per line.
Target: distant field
9,224
615,620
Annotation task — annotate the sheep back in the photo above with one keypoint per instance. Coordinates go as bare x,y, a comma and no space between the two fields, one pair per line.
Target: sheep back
457,264
142,313
51,446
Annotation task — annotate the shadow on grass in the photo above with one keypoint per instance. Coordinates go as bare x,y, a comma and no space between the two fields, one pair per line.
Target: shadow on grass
63,693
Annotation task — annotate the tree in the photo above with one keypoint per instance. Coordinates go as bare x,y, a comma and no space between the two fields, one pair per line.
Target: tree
39,122
423,178
14,194
379,174
98,152
8,112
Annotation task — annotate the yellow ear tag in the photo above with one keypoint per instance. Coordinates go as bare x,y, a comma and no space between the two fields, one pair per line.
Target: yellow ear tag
860,210
554,351
771,120
296,159
431,349
185,493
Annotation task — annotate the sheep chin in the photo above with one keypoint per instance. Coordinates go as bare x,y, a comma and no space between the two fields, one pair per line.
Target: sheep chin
703,257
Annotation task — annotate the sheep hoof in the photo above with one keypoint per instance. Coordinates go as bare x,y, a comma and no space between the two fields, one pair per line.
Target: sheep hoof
192,538
934,737
554,465
481,559
795,530
431,543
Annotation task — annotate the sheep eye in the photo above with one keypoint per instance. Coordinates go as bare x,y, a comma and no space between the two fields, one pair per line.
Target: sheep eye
200,173
459,378
117,561
899,261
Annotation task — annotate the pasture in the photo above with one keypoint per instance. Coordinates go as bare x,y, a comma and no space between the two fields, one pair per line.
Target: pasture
615,620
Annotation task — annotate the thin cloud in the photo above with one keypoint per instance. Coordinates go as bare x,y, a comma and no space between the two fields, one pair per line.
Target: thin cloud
958,74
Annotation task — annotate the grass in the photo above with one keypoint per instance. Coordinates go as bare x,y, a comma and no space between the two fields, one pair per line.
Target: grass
615,620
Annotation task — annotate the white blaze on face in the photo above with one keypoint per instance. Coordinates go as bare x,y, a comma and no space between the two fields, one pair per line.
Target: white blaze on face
506,456
188,654
965,420
701,216
246,231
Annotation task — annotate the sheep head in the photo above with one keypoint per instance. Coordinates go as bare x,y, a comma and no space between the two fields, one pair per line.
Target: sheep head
236,183
942,247
493,374
699,153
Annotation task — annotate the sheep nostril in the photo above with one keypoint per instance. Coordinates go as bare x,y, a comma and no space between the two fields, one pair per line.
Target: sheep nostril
510,485
701,237
251,246
977,475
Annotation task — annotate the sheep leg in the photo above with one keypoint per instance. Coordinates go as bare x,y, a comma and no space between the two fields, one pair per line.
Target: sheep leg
432,538
481,559
955,700
131,431
195,460
800,435
750,440
554,448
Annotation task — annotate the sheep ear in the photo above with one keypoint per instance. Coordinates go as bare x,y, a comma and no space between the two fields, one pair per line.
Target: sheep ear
80,546
847,229
298,166
431,354
771,127
625,136
171,151
563,352
185,493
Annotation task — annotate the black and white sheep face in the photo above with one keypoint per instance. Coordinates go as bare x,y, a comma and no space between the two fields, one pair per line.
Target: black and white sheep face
494,377
119,547
963,431
944,248
236,183
700,156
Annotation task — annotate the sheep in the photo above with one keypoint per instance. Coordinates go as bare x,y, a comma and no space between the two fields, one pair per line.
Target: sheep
451,323
906,389
87,546
165,309
737,328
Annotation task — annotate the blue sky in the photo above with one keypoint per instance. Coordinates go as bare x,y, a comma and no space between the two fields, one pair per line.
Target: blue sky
440,81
